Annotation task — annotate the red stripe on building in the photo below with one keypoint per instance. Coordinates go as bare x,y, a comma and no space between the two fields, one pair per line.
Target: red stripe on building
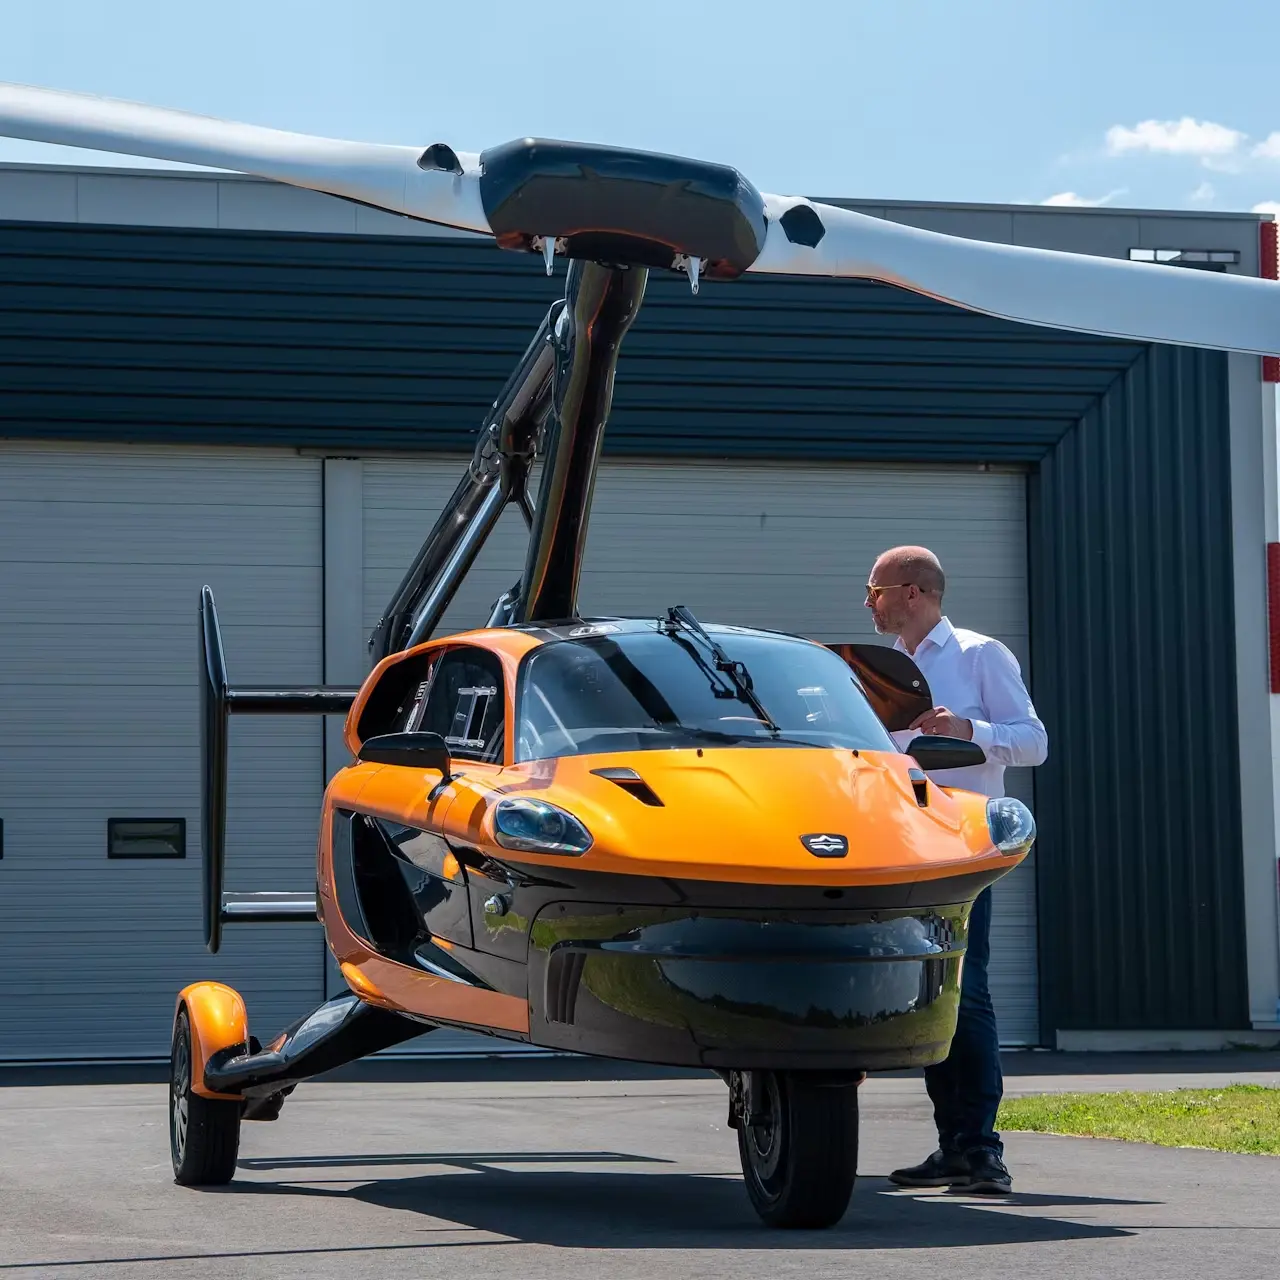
1269,269
1273,610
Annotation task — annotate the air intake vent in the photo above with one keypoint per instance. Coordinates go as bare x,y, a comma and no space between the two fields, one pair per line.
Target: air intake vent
920,785
630,780
564,973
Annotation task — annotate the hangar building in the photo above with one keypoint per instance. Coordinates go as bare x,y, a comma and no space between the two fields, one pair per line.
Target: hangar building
213,379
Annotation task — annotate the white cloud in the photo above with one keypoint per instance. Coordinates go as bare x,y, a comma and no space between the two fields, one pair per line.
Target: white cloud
1203,193
1223,164
1186,137
1268,206
1071,200
1268,149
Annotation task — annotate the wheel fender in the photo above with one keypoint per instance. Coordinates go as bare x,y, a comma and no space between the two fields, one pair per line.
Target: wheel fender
218,1021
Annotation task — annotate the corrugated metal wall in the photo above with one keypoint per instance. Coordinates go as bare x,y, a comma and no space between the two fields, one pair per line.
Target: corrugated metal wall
344,342
1140,880
103,551
228,337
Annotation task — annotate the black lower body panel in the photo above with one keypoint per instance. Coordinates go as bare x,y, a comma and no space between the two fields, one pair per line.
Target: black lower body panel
676,972
747,989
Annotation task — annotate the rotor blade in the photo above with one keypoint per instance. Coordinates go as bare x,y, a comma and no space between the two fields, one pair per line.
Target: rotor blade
1078,292
445,191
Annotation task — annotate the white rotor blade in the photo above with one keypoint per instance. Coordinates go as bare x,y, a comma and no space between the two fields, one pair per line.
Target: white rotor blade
387,177
1078,292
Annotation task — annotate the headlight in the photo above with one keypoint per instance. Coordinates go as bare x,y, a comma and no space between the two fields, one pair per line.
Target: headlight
535,826
1013,829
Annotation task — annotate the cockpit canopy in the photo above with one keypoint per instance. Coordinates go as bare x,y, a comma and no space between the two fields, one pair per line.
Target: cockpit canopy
613,688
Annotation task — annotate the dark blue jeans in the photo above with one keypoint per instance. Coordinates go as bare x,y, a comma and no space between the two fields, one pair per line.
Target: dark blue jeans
967,1087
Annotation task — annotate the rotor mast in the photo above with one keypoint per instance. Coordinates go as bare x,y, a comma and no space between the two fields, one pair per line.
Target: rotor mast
560,394
616,215
600,304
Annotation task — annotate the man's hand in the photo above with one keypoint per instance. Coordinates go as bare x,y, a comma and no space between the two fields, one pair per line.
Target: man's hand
940,721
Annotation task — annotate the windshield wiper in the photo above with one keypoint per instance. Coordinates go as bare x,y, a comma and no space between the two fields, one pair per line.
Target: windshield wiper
679,616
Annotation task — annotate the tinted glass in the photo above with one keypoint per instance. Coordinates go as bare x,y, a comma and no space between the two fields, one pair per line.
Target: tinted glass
647,691
465,704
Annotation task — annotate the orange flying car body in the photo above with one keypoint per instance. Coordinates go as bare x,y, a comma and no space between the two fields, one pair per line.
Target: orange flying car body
642,838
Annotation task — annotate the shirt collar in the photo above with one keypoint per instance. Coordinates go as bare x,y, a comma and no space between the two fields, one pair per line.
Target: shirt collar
939,636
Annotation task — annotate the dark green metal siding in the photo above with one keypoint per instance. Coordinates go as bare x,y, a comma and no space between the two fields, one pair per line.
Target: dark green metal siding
369,343
365,343
1139,874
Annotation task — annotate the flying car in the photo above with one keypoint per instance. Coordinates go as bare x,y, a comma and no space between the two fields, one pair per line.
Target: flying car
663,839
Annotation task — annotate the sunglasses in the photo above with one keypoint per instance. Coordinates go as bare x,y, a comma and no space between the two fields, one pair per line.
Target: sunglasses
874,593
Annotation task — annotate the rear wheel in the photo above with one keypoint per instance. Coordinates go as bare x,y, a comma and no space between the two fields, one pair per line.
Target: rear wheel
798,1143
204,1133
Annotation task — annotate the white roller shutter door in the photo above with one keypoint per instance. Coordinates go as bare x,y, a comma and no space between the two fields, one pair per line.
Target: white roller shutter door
103,550
787,547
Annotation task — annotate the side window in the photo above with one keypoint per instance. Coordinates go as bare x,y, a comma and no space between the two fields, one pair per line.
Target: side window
466,703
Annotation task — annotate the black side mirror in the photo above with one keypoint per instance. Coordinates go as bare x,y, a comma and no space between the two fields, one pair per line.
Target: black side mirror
414,750
945,753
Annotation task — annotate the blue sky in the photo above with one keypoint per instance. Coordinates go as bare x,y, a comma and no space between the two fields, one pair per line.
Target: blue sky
1131,102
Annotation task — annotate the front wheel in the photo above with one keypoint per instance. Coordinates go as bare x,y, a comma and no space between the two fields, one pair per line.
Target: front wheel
204,1133
798,1143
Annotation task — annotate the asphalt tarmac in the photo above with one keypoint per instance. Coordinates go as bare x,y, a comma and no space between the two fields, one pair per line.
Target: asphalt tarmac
551,1169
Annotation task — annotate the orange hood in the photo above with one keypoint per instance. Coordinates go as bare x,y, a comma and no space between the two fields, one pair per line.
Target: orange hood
739,813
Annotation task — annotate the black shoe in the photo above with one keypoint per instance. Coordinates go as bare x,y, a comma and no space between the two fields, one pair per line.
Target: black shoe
942,1169
987,1174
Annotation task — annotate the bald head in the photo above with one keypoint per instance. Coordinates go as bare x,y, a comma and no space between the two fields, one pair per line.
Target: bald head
916,566
905,593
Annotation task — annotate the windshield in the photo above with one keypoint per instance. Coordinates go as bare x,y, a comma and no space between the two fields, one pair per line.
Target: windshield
646,690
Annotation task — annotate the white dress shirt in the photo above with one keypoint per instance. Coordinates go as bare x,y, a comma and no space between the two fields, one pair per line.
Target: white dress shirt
976,678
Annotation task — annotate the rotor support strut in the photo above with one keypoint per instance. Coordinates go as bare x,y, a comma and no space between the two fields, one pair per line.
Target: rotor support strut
600,304
497,474
556,403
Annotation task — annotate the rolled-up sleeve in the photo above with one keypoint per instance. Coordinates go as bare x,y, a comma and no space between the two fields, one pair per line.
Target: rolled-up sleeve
1012,734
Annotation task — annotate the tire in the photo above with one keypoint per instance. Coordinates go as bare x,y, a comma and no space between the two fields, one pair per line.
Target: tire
204,1133
800,1160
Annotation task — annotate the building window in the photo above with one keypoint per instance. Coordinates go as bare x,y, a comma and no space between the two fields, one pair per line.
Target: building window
1198,259
146,837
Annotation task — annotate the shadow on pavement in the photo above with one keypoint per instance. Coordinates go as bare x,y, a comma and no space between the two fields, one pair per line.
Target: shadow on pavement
531,1067
478,1160
575,1209
574,1067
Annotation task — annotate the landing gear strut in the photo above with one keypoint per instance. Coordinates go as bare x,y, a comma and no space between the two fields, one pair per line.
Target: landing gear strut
204,1132
798,1143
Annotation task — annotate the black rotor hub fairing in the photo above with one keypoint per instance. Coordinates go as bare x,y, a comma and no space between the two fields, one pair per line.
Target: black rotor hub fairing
614,205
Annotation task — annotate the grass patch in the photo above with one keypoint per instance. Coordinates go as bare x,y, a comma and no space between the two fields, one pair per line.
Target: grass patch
1239,1117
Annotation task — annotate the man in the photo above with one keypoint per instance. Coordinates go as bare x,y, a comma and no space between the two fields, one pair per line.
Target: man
978,695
